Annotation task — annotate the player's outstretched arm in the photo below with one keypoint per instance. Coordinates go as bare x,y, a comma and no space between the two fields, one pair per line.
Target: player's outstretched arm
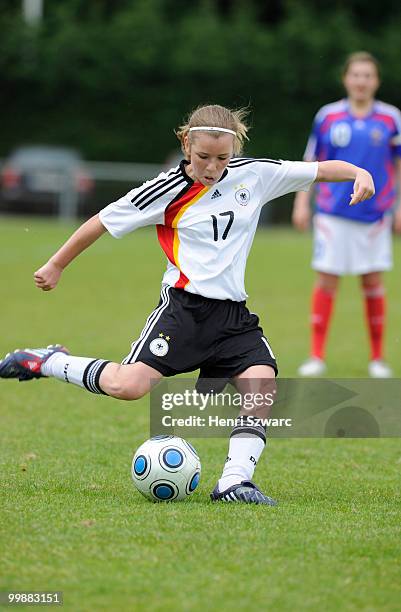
336,171
47,277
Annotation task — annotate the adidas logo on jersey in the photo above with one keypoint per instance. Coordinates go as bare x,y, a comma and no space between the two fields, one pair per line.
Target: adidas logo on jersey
216,194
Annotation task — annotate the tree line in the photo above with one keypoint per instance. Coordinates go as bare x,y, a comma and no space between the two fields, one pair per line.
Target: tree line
115,78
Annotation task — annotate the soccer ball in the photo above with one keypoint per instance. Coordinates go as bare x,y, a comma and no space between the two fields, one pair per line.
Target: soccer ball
166,468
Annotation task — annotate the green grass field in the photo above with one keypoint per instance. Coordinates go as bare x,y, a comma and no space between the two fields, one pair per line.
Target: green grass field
71,519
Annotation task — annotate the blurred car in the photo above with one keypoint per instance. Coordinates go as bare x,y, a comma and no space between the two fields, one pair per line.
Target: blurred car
42,174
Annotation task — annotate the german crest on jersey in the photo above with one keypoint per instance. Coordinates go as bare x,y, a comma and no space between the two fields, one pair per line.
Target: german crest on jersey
242,195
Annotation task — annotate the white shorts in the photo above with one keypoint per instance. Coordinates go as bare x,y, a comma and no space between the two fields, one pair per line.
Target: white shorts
341,246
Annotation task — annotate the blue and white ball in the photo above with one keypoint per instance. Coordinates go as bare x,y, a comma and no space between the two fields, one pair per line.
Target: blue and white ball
166,468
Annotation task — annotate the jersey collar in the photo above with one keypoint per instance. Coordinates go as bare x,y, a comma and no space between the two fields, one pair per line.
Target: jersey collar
361,117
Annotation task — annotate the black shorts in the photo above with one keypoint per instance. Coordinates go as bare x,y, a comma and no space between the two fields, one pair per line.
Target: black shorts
187,331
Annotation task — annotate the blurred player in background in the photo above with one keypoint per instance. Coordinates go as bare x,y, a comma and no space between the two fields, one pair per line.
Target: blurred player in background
353,240
206,211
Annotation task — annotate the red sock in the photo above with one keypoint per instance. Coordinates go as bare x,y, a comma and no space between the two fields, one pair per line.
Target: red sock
375,308
322,306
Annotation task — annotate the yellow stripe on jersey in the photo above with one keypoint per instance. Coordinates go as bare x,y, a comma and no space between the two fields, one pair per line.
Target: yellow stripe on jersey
174,224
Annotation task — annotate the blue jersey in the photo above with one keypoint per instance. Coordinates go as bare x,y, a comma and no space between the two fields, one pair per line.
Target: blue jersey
371,142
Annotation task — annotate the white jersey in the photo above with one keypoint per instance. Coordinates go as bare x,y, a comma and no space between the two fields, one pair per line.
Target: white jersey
207,232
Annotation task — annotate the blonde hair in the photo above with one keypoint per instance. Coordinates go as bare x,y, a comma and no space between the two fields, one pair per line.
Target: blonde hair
213,115
361,56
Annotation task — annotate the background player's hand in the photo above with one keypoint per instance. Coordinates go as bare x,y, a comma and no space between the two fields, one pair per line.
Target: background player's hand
397,220
301,212
364,187
47,277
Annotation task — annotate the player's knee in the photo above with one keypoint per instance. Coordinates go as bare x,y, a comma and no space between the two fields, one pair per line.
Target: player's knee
124,391
327,282
372,280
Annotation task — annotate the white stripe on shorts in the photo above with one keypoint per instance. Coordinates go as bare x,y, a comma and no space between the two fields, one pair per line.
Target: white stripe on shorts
151,321
269,348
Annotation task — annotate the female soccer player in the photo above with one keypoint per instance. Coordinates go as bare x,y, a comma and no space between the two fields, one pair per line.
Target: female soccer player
367,132
206,212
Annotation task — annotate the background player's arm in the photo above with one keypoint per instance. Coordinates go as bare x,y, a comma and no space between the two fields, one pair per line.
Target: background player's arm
333,171
397,213
301,211
47,277
337,171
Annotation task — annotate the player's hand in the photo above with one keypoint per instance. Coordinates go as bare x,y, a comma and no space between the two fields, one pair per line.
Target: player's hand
364,187
301,217
397,220
47,277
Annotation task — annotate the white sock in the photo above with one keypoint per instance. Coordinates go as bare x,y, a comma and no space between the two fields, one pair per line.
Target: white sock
82,371
243,454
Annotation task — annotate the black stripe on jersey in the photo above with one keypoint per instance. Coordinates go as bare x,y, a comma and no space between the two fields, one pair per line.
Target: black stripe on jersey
178,181
149,189
178,196
236,163
157,184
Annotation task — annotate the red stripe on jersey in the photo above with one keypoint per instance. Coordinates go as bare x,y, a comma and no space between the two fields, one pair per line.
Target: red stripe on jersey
168,233
182,281
165,236
331,117
173,210
386,119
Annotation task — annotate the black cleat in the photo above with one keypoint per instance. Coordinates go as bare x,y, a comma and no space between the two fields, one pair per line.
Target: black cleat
26,364
246,492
